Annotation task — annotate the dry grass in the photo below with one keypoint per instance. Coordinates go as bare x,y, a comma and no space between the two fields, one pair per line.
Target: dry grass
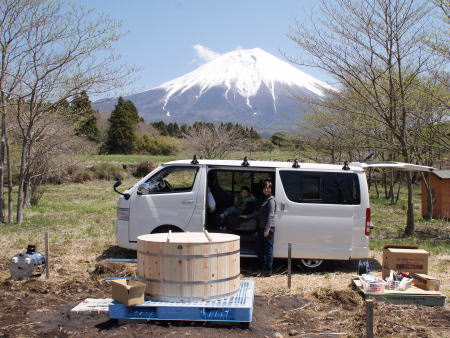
306,284
334,308
79,218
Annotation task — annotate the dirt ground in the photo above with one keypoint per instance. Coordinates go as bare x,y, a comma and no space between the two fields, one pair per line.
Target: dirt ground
319,305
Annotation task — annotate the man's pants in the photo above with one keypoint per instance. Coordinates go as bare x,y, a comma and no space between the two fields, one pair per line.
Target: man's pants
232,211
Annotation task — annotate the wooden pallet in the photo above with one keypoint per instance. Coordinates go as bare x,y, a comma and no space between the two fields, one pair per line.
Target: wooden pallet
238,308
413,295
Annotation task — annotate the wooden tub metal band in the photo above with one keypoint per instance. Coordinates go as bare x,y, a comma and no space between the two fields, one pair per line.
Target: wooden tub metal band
191,299
193,282
153,254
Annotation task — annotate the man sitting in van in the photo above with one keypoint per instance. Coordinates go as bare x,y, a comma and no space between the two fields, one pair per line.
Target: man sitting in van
241,203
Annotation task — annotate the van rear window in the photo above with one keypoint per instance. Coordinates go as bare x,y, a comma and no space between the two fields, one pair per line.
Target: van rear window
321,187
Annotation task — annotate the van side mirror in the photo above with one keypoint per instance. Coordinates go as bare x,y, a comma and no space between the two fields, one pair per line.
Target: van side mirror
144,189
118,183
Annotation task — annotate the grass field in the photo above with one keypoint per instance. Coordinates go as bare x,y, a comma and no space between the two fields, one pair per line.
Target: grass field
78,216
390,222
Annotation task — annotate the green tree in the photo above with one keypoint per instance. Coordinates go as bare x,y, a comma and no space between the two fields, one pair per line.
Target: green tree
184,129
173,130
375,49
49,53
161,127
122,134
84,117
157,145
279,139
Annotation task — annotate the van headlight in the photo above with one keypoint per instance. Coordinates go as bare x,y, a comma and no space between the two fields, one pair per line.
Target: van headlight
123,214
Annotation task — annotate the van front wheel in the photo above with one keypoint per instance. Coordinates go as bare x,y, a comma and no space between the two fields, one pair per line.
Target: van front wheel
311,264
166,228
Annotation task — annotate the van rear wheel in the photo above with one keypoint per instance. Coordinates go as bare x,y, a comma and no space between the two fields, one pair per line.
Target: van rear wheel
311,264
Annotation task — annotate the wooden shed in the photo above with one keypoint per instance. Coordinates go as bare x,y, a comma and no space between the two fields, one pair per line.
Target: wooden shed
439,181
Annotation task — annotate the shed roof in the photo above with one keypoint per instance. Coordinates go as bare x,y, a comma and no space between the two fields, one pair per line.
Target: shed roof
442,173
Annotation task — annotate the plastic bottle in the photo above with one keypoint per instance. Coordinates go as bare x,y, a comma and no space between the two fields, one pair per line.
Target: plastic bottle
363,267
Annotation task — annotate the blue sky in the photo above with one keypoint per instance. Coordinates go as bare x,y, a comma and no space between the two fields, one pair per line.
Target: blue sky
169,38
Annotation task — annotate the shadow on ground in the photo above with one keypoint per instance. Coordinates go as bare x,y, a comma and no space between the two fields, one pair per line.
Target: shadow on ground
113,324
115,251
251,267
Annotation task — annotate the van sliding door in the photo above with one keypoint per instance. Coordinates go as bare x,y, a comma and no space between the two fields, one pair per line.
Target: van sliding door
315,211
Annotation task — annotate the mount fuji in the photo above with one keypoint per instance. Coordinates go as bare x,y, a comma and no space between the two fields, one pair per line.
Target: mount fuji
250,87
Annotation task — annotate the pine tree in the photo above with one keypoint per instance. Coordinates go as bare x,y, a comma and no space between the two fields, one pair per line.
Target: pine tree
122,135
161,127
184,129
254,134
84,117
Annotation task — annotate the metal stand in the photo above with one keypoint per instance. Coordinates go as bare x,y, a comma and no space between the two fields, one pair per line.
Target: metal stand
369,318
47,257
289,265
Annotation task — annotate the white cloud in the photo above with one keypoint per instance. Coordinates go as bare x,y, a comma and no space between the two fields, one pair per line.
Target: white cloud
204,53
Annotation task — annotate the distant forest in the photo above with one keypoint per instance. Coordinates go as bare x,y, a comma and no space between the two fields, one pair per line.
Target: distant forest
180,131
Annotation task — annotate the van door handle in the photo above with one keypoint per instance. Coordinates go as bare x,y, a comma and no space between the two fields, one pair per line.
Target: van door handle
188,202
282,206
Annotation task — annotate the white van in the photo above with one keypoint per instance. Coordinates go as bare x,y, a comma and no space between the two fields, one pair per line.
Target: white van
322,209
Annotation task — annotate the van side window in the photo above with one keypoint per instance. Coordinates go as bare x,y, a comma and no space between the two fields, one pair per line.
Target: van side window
311,188
173,179
321,187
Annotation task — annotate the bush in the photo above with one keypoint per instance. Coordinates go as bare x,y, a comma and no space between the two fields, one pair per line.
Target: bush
157,145
36,194
79,174
73,174
141,169
106,171
265,145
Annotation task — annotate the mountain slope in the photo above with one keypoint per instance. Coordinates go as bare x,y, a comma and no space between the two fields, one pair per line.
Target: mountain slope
251,87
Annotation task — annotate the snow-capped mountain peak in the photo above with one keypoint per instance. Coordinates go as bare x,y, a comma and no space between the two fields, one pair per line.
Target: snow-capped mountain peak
250,87
244,71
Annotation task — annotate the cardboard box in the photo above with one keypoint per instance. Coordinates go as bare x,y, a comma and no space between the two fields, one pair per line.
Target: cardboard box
404,258
128,292
426,282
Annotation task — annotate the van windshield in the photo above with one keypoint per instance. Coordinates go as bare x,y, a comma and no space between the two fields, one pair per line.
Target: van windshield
173,179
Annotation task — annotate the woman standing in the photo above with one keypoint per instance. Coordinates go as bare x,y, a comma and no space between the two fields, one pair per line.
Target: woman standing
266,221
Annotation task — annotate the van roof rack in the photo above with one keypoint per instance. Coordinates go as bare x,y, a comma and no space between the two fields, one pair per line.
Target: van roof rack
245,162
194,160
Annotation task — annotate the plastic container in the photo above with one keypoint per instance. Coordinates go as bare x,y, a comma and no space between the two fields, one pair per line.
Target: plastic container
392,285
372,284
397,285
